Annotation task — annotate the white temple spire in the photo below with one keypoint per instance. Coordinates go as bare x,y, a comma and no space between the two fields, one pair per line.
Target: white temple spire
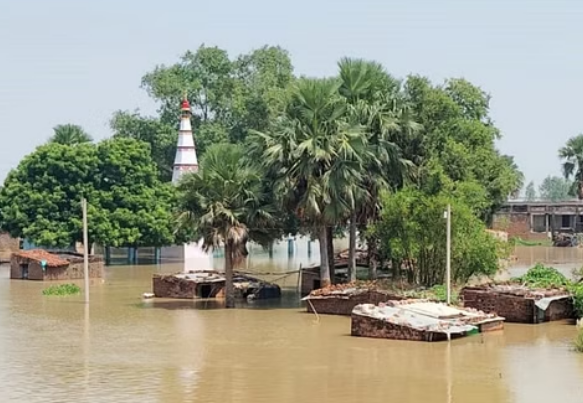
185,160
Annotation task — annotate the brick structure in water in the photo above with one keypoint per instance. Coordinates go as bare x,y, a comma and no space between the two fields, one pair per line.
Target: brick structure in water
344,303
518,306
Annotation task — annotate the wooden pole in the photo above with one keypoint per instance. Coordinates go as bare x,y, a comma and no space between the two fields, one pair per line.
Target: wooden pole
85,250
448,255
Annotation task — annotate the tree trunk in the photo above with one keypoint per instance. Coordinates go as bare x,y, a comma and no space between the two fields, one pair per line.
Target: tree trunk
229,290
373,261
352,248
324,262
330,245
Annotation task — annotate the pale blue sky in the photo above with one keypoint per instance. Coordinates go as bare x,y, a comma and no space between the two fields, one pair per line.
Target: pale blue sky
75,61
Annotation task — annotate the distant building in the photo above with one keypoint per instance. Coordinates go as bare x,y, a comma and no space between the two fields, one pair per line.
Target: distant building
39,264
537,220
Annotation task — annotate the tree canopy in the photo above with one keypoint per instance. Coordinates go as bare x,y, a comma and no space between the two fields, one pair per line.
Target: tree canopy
316,152
41,198
555,188
70,134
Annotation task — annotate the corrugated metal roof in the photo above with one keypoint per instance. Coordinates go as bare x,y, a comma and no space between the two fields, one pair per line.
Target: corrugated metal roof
40,255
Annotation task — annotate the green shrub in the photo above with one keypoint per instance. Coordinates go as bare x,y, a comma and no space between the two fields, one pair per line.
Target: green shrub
541,276
62,289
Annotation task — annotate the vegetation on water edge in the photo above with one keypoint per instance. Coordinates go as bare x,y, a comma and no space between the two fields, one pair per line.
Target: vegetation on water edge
517,241
62,289
541,276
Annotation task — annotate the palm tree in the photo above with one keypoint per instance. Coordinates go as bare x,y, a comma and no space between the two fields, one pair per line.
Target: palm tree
225,205
572,155
69,134
373,102
317,156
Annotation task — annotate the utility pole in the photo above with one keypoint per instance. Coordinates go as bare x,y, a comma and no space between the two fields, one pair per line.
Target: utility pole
85,250
448,254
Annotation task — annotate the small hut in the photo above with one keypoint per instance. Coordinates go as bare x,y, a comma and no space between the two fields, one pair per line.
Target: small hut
38,264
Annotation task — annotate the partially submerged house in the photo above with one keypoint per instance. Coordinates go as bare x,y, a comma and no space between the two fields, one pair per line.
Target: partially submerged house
341,299
520,304
196,284
420,320
38,264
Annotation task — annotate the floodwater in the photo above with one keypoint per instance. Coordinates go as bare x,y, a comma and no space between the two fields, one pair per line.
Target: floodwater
125,349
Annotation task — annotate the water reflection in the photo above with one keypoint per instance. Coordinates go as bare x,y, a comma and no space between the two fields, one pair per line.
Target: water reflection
123,348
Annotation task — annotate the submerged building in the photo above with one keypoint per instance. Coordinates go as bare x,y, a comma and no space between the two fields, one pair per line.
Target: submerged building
39,264
538,220
186,161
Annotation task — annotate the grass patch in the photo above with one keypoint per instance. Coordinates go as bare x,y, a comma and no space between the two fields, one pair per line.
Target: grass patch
436,293
62,289
517,241
541,276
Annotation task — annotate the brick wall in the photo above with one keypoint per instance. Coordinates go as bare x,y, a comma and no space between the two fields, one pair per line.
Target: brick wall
8,245
364,326
75,271
516,225
342,305
164,286
513,308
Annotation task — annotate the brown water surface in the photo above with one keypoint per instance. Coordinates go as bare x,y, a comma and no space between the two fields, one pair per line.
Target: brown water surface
124,349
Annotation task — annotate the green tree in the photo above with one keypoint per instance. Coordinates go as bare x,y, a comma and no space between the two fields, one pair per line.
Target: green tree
225,205
317,156
458,141
229,98
554,188
375,104
530,192
412,232
161,137
135,207
41,198
572,156
69,134
127,205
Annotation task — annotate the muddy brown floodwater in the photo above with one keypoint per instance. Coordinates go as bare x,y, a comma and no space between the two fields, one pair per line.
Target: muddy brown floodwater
124,349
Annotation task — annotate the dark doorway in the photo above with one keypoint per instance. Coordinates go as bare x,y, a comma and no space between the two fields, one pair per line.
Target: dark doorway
206,290
24,271
316,285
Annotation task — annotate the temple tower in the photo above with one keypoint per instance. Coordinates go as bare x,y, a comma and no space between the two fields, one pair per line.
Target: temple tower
191,254
185,160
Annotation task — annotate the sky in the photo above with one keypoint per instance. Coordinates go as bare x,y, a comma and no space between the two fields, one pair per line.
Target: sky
75,61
